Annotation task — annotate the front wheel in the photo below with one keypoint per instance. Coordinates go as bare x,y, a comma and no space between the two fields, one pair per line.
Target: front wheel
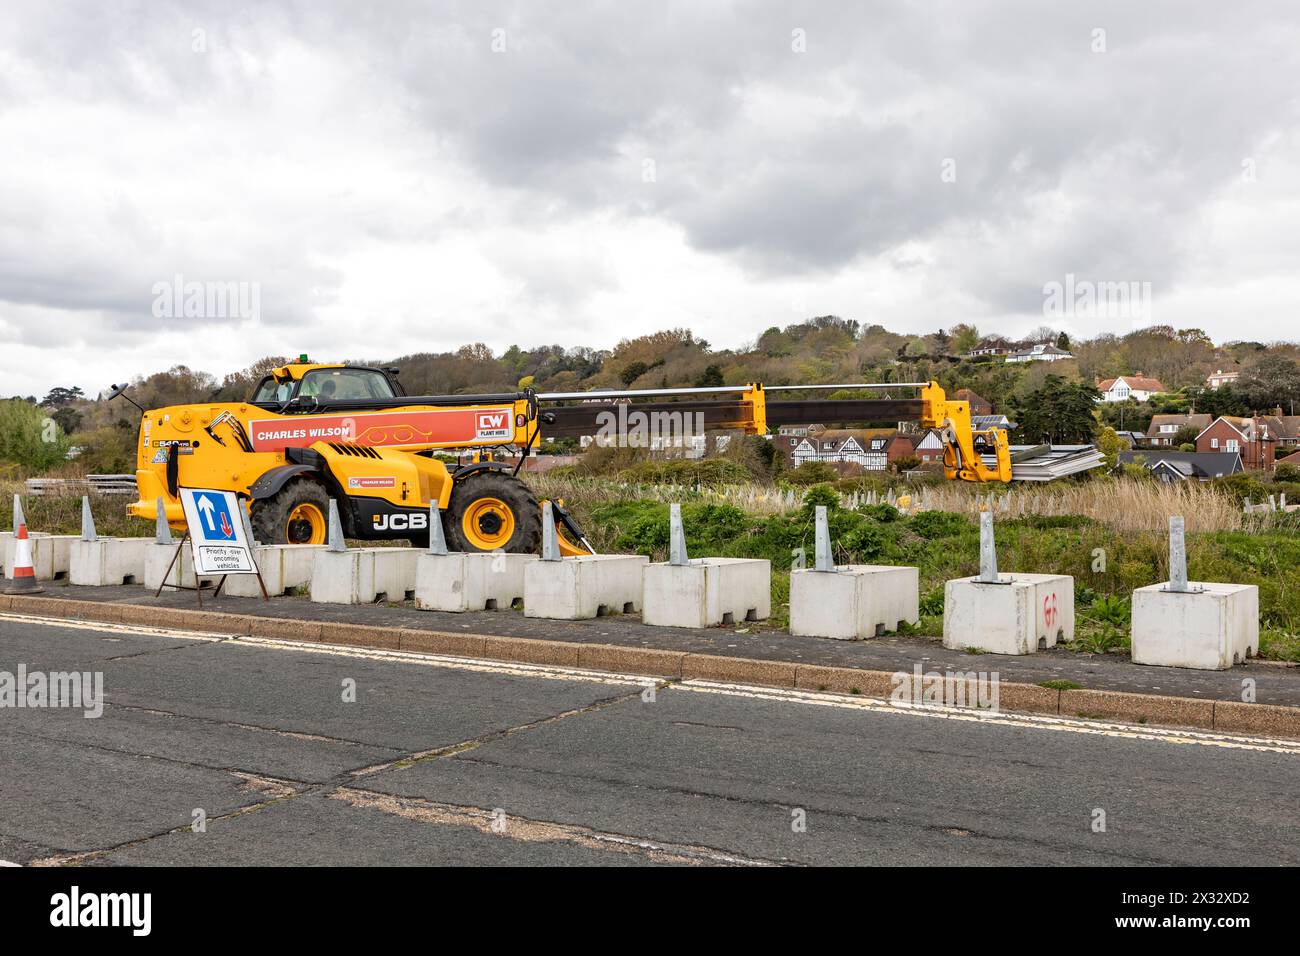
296,514
492,511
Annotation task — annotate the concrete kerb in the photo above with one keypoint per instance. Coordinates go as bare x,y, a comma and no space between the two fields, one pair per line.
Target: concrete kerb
1156,710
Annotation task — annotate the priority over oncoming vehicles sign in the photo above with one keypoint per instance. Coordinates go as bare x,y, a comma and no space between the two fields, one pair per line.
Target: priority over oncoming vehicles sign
217,536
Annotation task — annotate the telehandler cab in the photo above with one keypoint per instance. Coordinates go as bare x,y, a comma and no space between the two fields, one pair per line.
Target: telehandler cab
315,432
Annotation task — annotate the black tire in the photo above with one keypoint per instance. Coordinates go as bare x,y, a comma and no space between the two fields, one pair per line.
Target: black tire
271,515
526,535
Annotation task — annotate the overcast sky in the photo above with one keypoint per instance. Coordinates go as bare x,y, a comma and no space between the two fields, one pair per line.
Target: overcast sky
413,177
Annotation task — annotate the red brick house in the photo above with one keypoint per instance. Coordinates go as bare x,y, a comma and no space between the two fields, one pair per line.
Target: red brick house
978,405
1251,437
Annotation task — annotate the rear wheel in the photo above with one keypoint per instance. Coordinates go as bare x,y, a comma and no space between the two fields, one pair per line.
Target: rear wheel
492,511
296,514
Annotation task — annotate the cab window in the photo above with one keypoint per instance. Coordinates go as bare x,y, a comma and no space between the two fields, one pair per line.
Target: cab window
329,384
272,391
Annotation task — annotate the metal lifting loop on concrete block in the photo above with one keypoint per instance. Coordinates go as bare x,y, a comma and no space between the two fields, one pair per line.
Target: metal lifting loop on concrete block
87,521
437,540
676,536
162,532
336,539
1178,558
550,542
823,559
19,519
989,552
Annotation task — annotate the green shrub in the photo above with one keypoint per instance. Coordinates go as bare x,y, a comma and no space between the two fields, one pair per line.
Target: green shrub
706,471
810,473
1243,486
820,495
932,602
938,524
1114,609
882,513
29,438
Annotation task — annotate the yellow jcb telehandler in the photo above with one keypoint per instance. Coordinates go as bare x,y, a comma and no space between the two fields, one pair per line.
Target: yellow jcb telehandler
312,432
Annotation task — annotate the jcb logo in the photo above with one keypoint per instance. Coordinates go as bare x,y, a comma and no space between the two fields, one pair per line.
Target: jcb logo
414,522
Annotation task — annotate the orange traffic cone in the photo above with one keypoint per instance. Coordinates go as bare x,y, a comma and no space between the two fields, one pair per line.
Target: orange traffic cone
24,581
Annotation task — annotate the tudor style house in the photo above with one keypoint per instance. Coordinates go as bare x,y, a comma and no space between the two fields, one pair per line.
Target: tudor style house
873,449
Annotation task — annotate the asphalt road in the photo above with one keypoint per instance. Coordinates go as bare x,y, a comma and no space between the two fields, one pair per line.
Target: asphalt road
452,762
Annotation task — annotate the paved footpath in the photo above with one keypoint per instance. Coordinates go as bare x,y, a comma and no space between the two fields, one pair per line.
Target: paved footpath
455,761
1275,683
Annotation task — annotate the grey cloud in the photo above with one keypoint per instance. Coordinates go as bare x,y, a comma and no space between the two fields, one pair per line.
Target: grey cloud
1067,160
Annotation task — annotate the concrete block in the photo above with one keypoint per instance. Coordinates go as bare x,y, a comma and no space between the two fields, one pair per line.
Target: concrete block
585,586
106,562
706,592
156,559
50,555
343,577
1210,629
283,566
395,573
855,601
462,581
362,575
1031,613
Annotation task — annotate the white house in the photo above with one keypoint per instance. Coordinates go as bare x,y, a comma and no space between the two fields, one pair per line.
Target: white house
1137,387
1043,352
1221,378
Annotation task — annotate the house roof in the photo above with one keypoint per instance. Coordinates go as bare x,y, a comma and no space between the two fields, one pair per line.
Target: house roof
966,395
835,439
1199,464
1042,349
1139,383
1200,422
1270,425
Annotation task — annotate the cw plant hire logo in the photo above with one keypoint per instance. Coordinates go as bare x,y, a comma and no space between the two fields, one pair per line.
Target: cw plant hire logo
37,689
74,908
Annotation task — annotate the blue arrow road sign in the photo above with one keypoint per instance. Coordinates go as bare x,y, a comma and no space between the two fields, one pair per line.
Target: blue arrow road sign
218,522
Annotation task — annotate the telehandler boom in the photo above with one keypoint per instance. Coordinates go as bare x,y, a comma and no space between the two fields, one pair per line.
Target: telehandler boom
315,432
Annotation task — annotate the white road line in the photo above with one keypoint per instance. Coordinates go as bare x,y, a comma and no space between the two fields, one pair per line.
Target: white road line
1031,721
782,695
145,630
511,668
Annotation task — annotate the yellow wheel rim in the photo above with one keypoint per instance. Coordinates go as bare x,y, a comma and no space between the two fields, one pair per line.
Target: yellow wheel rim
305,525
488,523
